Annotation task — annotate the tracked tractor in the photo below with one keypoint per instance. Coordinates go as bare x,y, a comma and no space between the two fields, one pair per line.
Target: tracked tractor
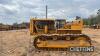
57,33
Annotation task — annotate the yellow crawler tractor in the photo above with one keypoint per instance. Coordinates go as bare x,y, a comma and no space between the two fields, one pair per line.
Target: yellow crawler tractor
50,33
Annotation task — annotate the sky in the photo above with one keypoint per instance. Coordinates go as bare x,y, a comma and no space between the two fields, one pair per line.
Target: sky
17,11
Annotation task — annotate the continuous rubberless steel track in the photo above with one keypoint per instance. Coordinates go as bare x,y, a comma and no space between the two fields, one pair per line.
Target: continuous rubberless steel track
58,37
43,52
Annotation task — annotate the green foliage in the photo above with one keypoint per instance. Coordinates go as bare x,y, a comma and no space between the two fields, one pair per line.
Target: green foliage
93,20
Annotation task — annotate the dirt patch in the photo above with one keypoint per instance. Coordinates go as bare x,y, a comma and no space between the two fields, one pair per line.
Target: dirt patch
14,43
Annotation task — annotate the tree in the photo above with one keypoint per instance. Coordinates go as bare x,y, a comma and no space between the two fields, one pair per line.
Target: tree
15,24
93,19
98,12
